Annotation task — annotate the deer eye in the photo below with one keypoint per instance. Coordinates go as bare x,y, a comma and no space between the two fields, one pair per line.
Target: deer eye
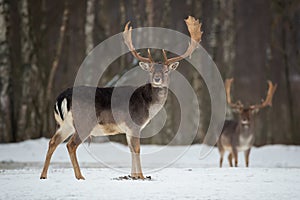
166,70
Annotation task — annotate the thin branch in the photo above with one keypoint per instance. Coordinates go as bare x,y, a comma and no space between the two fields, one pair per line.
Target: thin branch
58,50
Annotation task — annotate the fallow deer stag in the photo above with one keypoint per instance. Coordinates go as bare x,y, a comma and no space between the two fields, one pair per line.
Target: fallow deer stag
144,104
239,135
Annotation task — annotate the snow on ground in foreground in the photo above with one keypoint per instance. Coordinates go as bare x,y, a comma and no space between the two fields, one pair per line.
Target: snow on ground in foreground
274,174
170,183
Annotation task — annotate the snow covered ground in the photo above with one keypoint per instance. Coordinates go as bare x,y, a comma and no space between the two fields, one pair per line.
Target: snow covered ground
274,173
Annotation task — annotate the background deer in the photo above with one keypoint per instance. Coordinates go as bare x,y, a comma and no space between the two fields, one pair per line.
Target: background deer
239,135
144,104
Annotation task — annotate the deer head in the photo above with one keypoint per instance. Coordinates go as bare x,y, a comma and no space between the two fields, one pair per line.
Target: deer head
159,71
245,113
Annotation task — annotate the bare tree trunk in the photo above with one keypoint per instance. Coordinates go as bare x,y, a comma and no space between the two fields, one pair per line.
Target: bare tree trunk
89,26
14,41
150,12
136,12
89,36
288,84
5,106
166,14
27,114
122,22
58,52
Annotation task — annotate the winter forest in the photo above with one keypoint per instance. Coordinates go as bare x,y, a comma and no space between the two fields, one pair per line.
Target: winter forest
244,67
43,43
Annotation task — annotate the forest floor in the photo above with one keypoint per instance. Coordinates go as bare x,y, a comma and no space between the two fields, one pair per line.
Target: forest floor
274,173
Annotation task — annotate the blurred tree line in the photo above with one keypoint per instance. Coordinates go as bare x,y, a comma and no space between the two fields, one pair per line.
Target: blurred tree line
43,43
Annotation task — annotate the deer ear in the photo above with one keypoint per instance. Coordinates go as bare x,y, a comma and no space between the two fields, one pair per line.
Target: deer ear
145,66
254,111
236,110
173,66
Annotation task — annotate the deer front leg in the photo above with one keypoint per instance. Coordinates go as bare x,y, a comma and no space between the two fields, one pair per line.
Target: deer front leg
235,156
72,145
230,159
134,145
247,153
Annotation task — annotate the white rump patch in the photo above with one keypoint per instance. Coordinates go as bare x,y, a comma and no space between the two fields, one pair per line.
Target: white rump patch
64,108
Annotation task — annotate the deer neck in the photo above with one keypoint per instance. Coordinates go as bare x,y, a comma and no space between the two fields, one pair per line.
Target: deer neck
157,95
246,129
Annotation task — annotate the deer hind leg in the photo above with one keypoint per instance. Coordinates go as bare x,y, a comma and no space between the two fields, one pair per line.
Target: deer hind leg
136,168
230,159
247,153
221,150
58,138
72,146
235,156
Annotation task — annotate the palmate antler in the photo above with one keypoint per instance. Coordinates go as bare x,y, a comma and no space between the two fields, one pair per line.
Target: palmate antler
194,28
128,42
268,101
238,104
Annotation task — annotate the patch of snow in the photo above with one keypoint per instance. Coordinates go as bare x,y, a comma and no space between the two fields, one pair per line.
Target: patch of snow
274,173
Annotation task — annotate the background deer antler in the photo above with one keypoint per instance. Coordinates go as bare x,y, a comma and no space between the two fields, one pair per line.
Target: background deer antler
268,101
236,105
194,28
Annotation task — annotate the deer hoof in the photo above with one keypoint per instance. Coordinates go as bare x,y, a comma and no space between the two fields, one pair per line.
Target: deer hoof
80,177
137,176
130,177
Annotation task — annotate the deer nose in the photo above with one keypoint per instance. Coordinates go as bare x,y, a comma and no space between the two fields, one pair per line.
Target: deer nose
157,80
245,121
